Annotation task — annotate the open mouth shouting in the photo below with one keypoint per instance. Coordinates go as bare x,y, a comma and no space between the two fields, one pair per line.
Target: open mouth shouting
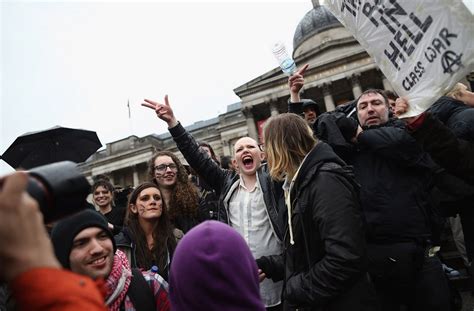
247,161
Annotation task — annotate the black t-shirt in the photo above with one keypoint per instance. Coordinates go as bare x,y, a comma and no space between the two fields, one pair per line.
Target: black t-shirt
116,217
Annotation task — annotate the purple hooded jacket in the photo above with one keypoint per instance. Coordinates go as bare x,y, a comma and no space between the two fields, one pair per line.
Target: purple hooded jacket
213,269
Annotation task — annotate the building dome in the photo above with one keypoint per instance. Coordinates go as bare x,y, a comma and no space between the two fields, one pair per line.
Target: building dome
315,21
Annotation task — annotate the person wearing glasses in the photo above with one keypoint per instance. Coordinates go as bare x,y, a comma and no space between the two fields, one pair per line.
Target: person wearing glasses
180,196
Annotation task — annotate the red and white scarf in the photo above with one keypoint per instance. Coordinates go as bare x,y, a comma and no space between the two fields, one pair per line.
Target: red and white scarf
118,281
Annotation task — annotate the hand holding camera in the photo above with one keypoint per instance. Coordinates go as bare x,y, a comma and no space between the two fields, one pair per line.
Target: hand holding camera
25,243
27,202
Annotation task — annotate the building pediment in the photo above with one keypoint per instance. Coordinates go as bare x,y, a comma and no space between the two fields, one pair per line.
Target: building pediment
325,63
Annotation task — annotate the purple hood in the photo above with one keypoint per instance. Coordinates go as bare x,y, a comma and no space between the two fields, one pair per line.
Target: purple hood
213,269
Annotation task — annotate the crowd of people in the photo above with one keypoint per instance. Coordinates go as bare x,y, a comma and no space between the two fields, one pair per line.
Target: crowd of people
341,210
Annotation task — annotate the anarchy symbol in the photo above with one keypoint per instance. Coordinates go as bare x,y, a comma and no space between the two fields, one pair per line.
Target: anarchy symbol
451,62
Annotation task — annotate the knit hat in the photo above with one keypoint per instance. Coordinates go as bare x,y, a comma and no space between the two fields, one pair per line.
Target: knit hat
311,103
65,231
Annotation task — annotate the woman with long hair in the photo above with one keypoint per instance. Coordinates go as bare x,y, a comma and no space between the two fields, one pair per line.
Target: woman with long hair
325,255
179,194
147,238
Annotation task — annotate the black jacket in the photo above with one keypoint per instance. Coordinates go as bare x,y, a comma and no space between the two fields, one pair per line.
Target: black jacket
445,146
116,217
223,181
126,242
396,177
326,267
455,115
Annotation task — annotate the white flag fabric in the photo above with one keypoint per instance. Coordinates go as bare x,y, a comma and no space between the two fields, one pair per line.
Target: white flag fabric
423,47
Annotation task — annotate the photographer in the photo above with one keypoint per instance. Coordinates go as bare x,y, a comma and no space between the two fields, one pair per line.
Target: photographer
27,261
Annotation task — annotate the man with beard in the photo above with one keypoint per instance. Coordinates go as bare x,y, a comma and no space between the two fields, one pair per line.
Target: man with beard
247,200
84,244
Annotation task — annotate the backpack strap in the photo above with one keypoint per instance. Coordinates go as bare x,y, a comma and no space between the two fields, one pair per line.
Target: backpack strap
140,292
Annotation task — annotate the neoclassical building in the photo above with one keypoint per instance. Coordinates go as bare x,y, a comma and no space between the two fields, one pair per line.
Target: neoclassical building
339,70
125,161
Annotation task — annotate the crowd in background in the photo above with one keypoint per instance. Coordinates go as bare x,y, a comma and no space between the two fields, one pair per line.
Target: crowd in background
342,210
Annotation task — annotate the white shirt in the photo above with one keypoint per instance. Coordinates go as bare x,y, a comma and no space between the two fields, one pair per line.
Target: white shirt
249,216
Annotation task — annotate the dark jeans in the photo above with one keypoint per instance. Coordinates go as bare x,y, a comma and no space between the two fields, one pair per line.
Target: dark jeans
405,278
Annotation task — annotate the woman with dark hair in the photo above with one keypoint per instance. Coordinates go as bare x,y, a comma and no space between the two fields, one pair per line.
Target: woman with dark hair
103,197
148,237
180,196
324,263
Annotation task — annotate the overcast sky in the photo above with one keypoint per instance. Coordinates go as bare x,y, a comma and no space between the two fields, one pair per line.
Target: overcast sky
77,63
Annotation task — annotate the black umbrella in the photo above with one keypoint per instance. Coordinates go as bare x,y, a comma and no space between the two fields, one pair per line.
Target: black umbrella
52,145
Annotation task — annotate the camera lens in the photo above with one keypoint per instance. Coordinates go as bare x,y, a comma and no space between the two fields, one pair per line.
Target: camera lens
59,188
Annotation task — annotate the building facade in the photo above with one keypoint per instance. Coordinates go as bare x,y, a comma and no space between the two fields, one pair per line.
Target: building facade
125,162
339,70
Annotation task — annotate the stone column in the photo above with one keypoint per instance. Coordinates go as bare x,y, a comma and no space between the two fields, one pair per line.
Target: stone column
385,82
328,100
273,109
226,148
111,178
251,127
136,181
356,88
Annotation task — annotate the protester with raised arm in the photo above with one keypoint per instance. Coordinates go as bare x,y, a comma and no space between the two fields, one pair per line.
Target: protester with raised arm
247,200
308,108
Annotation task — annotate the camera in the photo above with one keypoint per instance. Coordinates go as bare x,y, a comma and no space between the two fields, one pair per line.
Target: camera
59,188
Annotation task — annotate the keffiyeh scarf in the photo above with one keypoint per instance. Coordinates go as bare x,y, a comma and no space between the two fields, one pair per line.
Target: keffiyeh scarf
118,281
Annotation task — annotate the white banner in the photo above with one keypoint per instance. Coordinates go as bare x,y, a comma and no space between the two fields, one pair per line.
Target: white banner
423,47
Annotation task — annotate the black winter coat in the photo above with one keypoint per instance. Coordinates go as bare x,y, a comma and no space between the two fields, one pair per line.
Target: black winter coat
326,267
223,181
455,115
396,178
454,154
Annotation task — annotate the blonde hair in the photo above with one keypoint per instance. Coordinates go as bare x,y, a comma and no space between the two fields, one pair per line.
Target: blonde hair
455,92
288,139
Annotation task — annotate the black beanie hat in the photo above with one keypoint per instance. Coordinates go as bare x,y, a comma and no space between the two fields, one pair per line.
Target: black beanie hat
65,231
311,103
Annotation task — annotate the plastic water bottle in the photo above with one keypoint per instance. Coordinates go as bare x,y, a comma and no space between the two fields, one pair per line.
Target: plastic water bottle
286,62
154,269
